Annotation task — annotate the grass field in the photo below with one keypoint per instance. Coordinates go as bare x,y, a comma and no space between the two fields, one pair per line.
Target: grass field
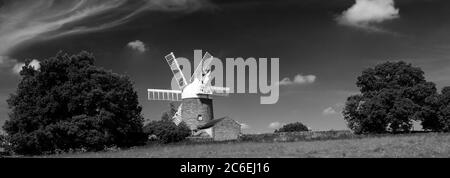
415,145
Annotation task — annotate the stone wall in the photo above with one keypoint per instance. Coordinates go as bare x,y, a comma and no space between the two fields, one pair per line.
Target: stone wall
226,130
299,136
193,107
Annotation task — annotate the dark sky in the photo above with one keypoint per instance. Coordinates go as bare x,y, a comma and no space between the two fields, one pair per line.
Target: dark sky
332,40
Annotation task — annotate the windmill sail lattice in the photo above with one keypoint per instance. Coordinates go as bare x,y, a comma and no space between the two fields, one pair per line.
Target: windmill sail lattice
177,72
164,95
220,91
177,117
203,68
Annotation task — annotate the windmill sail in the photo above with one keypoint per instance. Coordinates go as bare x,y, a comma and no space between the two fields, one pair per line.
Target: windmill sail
175,67
203,67
164,95
177,117
220,91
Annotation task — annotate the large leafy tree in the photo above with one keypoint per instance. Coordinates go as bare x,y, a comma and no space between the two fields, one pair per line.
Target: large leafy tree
393,94
69,103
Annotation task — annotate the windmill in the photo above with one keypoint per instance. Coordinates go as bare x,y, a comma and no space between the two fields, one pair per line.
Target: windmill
196,95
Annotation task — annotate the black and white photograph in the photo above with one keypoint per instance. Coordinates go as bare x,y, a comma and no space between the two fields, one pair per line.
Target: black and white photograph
224,79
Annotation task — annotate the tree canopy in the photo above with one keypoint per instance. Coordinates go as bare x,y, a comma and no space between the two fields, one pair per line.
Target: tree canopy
293,127
69,103
393,95
436,113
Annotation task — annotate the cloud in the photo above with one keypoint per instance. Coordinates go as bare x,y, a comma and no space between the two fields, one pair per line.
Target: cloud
334,109
298,80
26,21
138,46
18,66
366,14
275,125
329,111
244,126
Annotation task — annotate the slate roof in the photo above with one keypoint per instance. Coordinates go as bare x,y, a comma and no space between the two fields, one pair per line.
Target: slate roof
212,123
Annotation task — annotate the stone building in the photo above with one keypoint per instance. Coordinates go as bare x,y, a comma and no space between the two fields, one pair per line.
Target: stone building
224,129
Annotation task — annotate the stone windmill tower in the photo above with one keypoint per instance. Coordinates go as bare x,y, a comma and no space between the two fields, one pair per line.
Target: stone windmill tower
196,96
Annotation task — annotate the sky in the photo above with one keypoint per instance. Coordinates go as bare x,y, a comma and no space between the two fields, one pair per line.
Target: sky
323,46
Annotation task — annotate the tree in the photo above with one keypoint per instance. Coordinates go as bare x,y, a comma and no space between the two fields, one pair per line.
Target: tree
438,111
393,94
444,110
69,103
430,113
352,113
168,131
293,127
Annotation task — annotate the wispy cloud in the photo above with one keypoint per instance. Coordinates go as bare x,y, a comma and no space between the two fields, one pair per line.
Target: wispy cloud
367,14
28,20
138,46
298,80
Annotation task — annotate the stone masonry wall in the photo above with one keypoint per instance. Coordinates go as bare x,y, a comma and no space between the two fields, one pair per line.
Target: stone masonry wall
226,130
193,107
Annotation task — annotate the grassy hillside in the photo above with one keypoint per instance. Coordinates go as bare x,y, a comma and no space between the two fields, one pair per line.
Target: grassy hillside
415,145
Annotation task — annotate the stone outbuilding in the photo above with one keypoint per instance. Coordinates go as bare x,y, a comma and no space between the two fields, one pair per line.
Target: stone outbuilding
224,129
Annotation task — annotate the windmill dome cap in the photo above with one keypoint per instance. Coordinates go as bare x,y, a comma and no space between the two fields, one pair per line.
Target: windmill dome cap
193,90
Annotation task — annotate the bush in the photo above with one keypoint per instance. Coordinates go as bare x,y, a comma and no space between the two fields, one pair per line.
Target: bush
393,94
167,131
71,104
293,127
